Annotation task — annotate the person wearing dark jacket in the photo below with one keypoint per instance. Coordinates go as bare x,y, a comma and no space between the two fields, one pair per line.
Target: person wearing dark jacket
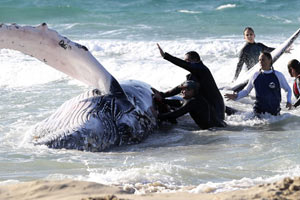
194,104
249,55
199,73
250,52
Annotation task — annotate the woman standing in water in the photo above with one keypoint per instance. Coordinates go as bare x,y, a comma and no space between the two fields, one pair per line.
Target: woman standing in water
250,52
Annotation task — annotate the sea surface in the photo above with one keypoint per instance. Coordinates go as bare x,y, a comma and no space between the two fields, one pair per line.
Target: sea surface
122,35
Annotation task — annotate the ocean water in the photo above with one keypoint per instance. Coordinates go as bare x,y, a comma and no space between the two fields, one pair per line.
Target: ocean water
122,35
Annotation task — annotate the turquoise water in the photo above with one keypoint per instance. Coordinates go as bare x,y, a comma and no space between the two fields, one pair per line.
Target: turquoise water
122,35
168,19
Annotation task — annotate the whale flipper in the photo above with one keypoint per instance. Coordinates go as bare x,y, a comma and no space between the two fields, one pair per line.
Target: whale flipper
60,53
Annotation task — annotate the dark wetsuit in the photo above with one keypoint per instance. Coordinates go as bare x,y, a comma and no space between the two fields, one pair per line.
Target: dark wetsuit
208,88
199,109
249,55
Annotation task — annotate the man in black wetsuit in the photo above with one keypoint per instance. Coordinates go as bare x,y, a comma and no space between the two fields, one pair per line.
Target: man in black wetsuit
194,104
250,52
199,73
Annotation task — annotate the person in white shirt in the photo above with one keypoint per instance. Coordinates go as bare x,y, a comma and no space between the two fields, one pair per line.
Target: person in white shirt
267,84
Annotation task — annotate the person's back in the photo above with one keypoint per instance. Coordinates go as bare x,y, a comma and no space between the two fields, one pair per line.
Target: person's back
207,120
196,105
208,87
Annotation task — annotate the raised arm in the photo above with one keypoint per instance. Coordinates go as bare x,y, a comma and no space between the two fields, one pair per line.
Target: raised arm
179,62
176,61
265,48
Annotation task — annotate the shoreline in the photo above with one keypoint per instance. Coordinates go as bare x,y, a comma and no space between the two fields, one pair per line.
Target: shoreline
287,188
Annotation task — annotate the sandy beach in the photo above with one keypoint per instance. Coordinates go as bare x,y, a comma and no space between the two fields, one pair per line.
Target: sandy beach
288,188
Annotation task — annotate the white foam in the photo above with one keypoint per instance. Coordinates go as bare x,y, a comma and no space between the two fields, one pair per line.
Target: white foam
276,18
141,60
19,70
138,60
244,183
226,6
189,11
9,182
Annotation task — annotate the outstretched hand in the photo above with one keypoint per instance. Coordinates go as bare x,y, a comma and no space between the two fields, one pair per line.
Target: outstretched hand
230,96
162,53
288,50
156,95
289,105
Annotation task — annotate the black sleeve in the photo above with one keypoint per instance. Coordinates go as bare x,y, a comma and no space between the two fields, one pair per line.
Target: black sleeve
179,62
173,102
265,48
185,108
297,103
171,92
239,65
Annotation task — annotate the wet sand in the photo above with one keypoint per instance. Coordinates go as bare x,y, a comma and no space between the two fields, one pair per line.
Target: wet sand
288,188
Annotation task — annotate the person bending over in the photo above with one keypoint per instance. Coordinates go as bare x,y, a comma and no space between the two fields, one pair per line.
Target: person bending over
194,104
267,84
199,73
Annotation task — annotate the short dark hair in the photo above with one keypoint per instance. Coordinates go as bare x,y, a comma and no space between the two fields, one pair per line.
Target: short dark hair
190,84
267,54
295,64
193,56
248,28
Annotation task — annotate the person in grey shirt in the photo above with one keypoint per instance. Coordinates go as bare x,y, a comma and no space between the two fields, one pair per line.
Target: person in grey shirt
250,52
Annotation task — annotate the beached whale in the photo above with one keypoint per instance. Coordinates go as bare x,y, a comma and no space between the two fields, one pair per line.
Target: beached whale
110,115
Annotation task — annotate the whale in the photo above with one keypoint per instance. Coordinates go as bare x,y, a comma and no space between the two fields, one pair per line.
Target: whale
108,115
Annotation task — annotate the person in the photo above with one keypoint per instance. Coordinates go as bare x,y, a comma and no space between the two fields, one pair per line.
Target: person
201,74
194,104
267,83
294,71
250,52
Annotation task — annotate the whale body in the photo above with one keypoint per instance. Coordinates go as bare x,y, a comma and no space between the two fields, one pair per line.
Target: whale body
110,115
96,122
